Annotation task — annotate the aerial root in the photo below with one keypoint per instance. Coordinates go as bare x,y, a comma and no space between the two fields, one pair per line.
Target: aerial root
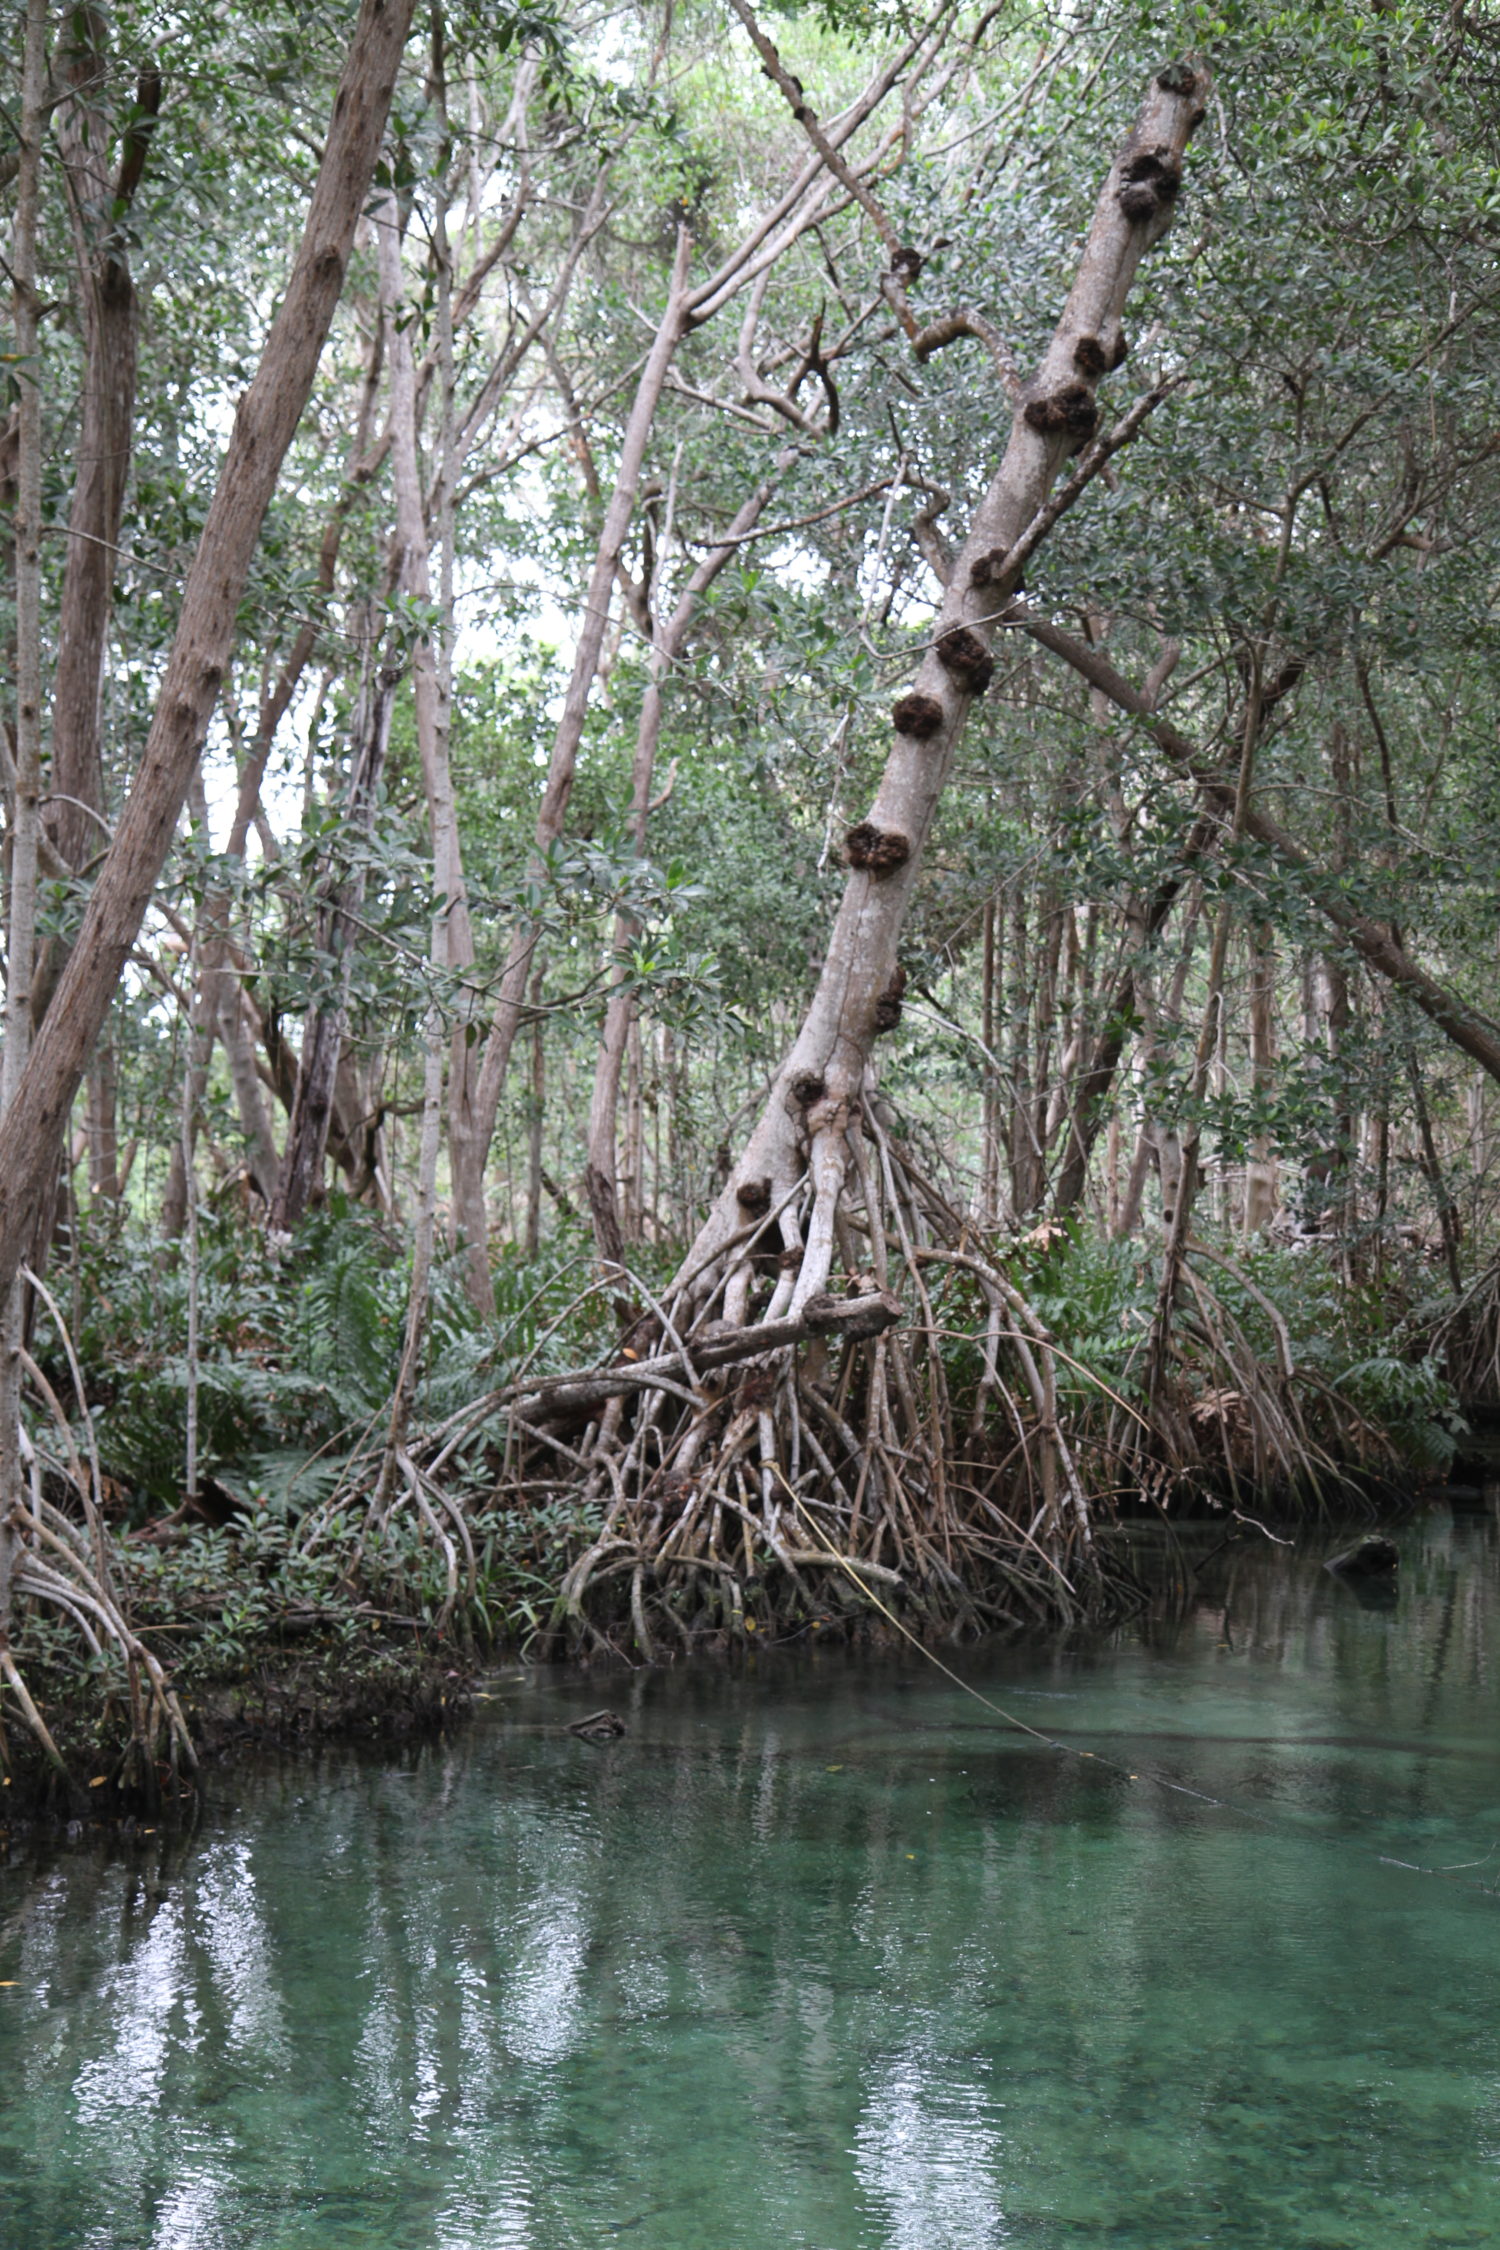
63,1564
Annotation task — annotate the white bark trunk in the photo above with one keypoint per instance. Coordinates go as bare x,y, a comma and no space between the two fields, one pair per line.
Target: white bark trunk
804,1125
666,646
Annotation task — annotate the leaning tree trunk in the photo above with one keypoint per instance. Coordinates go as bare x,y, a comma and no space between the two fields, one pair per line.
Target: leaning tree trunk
266,421
803,1130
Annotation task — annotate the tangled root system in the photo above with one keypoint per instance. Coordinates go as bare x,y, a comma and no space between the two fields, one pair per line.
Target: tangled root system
888,1006
919,715
877,850
964,655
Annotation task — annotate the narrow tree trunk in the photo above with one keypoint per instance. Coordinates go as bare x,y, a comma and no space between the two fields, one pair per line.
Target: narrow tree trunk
1178,1215
433,712
563,763
109,320
1449,1229
25,835
425,1232
323,1033
989,1142
536,1110
265,424
1156,1142
1260,1171
239,1052
108,315
102,1112
200,1044
1145,923
630,1148
1024,1158
666,647
1179,1197
1049,1037
187,1134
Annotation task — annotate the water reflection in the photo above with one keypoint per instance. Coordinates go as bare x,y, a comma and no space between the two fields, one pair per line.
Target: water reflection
927,2154
817,1957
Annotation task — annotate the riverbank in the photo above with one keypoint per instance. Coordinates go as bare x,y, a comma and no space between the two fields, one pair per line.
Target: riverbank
566,1488
281,1699
268,1657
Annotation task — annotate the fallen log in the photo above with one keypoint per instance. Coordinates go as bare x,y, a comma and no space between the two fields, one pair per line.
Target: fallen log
851,1319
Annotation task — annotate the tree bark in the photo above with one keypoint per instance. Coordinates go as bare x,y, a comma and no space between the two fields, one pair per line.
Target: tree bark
31,1133
220,999
323,1034
1093,1089
25,825
989,1131
849,1319
109,319
1260,1170
454,936
804,1125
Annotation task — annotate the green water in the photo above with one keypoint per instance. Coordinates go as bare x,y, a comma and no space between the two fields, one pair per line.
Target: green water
816,1957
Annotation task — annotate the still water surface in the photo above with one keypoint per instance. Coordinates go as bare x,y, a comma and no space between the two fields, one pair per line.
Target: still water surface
817,1957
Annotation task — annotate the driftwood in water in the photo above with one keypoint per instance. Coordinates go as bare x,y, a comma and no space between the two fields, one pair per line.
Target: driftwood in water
599,1726
852,1319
